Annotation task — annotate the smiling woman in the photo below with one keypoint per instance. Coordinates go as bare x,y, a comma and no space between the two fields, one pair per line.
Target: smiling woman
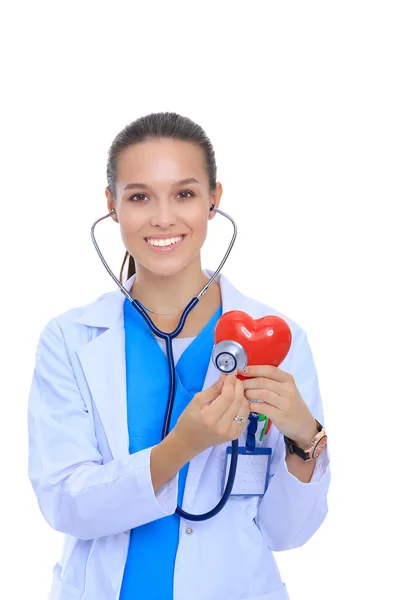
101,388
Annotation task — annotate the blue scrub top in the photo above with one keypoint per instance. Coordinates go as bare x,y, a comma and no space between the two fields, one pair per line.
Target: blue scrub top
149,568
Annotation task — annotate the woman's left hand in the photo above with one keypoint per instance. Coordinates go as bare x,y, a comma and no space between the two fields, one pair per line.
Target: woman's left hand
282,402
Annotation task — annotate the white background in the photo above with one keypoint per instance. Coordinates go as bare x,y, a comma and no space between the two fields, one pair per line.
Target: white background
301,101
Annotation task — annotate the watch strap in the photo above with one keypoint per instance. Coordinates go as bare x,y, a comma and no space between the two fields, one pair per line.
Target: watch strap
292,447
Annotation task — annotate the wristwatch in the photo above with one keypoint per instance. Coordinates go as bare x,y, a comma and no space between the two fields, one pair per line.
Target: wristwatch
314,448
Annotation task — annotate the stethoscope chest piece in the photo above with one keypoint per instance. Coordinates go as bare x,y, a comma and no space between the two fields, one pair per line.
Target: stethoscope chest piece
229,355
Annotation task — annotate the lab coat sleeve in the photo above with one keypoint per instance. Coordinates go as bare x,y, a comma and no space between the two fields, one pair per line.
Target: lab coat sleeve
77,494
292,511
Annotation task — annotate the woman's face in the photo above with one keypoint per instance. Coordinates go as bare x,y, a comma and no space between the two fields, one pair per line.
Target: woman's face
162,201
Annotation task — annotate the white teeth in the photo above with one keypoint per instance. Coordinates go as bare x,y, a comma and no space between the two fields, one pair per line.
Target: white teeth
164,242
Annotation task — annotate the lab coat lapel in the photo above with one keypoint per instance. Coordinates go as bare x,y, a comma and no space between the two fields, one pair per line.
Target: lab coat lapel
103,362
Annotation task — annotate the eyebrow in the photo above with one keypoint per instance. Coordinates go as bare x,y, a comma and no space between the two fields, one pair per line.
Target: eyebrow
144,186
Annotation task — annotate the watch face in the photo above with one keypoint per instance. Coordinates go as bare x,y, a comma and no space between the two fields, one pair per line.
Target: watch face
320,446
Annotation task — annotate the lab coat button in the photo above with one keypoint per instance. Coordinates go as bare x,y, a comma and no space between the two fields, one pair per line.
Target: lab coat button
189,531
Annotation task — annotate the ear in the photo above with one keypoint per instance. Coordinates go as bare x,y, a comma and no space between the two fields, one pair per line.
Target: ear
111,203
215,198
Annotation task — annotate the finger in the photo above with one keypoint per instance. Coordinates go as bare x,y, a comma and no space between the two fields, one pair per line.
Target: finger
229,385
226,397
238,408
266,396
267,371
263,383
265,409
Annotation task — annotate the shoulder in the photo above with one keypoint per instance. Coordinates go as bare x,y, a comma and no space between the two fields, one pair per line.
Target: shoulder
81,323
76,314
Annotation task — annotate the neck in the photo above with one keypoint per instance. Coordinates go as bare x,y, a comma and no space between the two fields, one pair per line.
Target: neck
168,293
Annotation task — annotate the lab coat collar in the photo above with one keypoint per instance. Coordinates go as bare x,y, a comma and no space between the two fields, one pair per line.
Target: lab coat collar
107,310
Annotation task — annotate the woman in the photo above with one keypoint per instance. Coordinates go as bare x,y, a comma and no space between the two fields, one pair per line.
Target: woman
98,396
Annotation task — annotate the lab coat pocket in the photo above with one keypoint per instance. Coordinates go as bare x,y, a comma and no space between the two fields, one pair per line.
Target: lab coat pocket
61,590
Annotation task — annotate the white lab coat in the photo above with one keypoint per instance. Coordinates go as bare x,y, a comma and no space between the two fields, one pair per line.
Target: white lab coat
90,488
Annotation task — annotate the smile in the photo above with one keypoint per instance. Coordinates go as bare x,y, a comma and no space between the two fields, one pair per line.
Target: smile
164,244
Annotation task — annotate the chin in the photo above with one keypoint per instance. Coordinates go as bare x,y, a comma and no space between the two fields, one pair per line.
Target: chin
164,268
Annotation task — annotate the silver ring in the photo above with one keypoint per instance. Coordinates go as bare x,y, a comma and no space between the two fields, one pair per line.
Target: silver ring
239,419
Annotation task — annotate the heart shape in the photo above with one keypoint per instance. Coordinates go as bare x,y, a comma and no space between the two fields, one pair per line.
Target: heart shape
266,340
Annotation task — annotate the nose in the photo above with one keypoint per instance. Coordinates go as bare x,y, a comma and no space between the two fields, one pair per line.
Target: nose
164,214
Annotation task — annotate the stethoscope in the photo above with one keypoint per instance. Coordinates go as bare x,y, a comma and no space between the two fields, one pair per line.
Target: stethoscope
226,356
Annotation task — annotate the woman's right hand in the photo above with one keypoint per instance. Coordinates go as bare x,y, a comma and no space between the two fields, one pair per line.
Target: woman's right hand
208,420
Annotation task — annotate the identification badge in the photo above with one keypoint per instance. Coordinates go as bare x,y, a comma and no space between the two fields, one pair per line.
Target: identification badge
252,472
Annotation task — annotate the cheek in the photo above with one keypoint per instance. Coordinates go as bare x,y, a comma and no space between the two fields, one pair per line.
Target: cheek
198,223
130,230
201,231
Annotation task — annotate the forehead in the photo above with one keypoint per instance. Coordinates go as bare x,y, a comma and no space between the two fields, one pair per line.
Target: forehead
161,161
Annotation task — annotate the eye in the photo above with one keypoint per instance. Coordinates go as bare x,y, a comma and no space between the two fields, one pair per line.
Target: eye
190,194
142,196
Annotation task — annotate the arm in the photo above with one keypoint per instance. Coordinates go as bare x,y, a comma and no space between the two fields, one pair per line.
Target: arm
167,459
295,503
301,469
77,493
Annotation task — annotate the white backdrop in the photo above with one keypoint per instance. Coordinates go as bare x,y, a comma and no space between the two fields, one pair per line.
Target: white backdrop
301,101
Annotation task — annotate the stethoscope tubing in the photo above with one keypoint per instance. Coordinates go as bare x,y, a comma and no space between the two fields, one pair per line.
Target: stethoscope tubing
168,337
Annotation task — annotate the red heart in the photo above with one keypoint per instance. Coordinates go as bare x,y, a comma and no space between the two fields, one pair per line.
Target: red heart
266,340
